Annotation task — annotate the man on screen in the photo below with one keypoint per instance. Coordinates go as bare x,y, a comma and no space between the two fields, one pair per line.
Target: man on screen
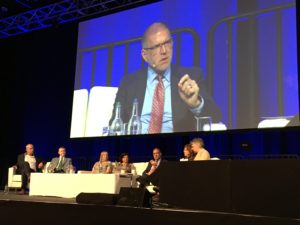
169,96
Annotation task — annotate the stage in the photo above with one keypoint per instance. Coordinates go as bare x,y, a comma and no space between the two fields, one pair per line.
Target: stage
25,209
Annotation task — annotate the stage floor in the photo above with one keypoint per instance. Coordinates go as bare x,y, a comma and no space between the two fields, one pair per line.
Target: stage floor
13,196
17,209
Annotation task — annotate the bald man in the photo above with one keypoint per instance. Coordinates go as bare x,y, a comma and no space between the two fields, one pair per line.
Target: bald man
26,163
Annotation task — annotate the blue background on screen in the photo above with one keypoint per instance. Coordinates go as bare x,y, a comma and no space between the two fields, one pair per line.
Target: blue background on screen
201,16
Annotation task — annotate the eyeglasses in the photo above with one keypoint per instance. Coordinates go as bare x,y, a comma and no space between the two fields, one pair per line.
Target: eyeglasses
166,44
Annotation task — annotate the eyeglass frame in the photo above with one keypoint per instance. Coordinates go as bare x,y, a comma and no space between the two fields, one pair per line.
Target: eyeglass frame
158,46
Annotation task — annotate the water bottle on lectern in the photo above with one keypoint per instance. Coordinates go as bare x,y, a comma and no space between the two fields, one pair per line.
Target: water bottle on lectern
117,126
134,124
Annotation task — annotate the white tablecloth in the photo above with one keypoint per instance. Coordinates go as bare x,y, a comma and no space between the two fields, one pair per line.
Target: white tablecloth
70,185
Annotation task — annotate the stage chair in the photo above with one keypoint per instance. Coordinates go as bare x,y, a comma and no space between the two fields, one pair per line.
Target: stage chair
15,180
79,111
140,167
269,122
99,114
214,158
45,169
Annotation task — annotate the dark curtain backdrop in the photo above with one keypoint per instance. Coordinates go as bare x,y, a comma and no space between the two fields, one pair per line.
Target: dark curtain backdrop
37,80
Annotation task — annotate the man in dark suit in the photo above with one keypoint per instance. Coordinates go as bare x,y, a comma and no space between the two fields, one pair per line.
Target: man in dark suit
26,163
181,95
151,173
61,164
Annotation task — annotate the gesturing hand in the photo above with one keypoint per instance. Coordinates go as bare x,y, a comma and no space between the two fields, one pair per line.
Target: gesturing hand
189,91
153,163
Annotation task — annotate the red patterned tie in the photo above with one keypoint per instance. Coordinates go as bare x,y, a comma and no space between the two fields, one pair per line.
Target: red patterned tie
157,107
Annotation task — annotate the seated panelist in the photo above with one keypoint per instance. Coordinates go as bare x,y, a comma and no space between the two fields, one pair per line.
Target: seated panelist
124,166
60,164
188,154
151,173
103,165
26,163
198,148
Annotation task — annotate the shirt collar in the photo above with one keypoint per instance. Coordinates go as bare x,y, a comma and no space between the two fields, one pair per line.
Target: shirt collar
152,74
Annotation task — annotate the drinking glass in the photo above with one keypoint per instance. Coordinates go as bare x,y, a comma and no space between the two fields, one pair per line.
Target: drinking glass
71,169
203,123
50,168
125,128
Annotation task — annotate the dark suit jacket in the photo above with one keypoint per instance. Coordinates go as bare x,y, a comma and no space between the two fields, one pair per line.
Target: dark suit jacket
154,177
21,162
134,86
148,168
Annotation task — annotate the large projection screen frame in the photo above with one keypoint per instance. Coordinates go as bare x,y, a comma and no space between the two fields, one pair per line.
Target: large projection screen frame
269,88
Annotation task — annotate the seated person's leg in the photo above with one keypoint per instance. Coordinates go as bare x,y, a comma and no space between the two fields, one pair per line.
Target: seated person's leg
154,179
26,169
25,173
24,180
143,180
